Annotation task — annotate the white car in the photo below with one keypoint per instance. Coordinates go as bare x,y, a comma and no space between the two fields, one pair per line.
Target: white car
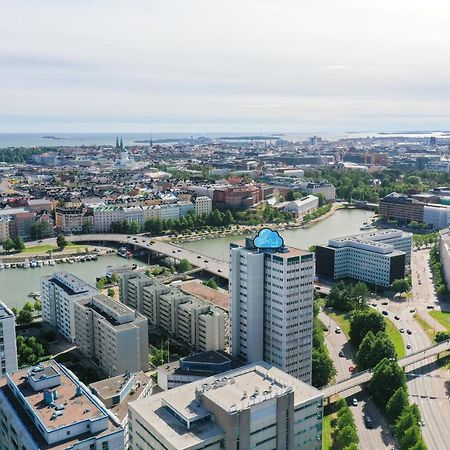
338,330
355,402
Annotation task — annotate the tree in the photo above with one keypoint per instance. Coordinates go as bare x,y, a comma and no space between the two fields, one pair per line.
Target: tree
387,377
322,367
364,353
134,228
441,336
37,306
382,348
345,419
24,317
397,404
411,436
290,197
61,241
28,307
18,244
359,295
184,265
228,218
8,245
115,278
364,321
401,285
347,436
111,292
100,283
211,283
40,230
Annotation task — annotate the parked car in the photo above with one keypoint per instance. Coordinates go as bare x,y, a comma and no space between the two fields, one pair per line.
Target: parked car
385,303
396,317
412,310
352,369
401,330
385,313
430,307
337,330
408,346
368,422
341,354
409,331
355,402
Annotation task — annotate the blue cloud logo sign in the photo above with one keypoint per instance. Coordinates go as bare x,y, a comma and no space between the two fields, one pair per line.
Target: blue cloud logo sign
268,239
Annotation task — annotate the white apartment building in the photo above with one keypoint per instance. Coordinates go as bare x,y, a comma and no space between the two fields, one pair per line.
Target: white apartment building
436,215
203,205
254,407
47,407
5,228
112,335
319,187
59,293
197,323
272,307
379,257
8,349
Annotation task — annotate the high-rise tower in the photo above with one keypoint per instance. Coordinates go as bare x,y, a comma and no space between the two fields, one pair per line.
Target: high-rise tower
271,288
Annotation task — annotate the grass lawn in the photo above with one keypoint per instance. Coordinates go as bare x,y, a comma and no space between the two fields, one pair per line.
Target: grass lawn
425,326
395,337
47,247
442,317
343,320
327,441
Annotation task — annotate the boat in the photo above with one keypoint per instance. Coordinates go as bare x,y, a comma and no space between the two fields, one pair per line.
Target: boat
64,260
34,294
2,266
70,261
13,265
7,266
26,264
366,226
52,262
124,252
45,262
94,257
40,263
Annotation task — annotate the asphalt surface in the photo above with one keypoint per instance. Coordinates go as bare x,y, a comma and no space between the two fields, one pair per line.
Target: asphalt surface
370,439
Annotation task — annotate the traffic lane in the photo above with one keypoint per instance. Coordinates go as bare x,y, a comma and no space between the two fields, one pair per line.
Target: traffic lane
336,343
428,388
379,436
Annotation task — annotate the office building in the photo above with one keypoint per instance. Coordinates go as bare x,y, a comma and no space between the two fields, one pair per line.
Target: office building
195,367
59,293
70,220
444,254
197,323
401,207
117,392
254,407
272,305
437,216
8,349
112,335
46,407
379,257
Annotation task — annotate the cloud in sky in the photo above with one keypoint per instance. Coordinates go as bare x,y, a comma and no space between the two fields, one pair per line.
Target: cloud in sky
210,65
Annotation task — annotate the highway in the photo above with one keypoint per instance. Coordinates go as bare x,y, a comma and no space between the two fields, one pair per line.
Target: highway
370,439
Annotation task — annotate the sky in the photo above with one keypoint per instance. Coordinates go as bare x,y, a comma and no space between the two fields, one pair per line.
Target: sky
224,65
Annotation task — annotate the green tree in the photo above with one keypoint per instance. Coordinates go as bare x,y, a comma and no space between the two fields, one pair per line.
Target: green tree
211,283
61,241
111,292
290,197
364,353
401,285
37,306
19,246
397,404
387,377
347,436
40,230
135,227
322,367
359,295
100,283
228,218
441,336
382,348
184,265
411,436
8,245
364,321
115,278
345,419
24,317
28,307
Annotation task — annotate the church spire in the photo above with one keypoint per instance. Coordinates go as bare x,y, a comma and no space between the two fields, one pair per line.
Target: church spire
117,141
121,143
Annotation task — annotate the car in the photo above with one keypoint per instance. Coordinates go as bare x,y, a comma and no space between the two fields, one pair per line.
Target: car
338,330
179,251
384,312
134,239
430,307
199,257
355,402
341,354
219,270
401,330
128,237
205,261
317,288
39,241
368,422
412,310
385,303
173,251
409,331
352,369
408,346
396,317
374,305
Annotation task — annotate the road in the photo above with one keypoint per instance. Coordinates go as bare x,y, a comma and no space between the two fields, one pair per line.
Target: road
427,384
378,437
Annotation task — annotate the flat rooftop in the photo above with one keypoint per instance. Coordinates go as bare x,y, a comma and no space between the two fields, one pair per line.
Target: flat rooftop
76,408
206,293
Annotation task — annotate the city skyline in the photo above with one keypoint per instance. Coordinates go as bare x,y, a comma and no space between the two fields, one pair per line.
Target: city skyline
213,66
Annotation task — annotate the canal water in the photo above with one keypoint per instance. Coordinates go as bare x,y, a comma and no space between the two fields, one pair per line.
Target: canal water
342,223
16,284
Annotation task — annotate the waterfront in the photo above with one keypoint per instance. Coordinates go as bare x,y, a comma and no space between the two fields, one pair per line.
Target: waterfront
342,223
16,284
